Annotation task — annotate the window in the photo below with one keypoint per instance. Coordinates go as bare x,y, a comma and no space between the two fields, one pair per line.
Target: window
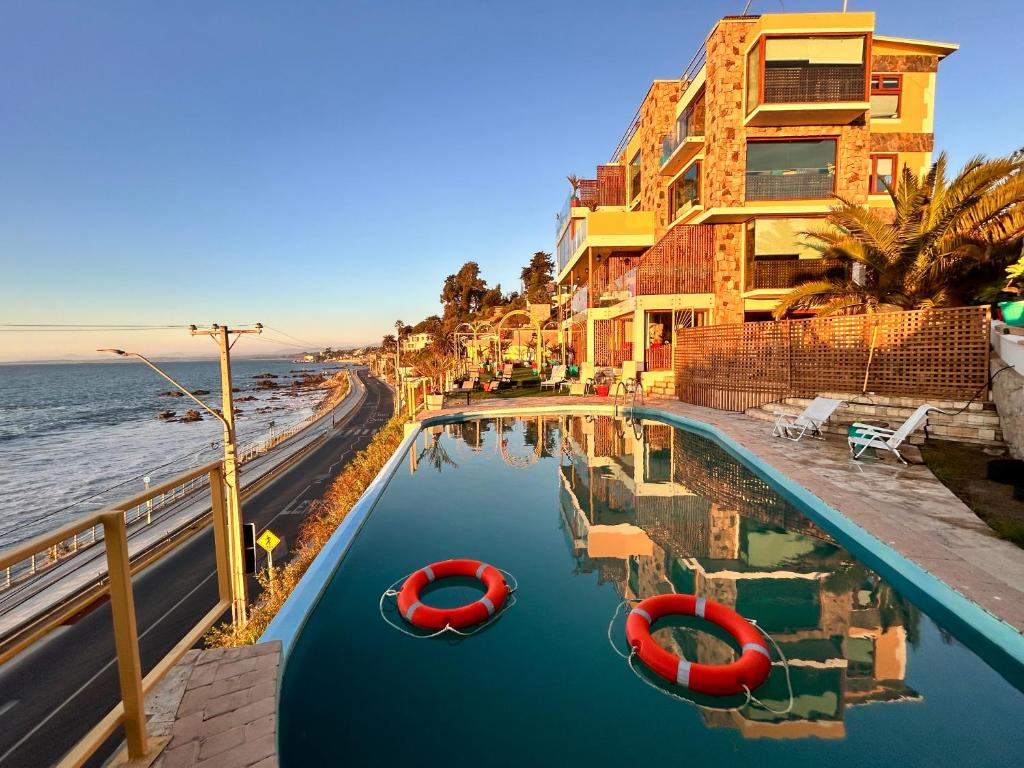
791,170
685,191
885,95
753,78
810,70
883,169
634,177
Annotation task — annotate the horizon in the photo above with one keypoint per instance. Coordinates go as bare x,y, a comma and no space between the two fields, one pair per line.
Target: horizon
289,167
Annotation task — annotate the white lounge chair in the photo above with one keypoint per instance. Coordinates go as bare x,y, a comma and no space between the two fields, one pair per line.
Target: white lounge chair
889,439
810,420
556,379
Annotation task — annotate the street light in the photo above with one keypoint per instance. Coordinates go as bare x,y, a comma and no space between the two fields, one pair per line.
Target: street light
234,503
398,370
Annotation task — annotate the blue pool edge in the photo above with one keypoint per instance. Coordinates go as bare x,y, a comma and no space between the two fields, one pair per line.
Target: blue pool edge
1000,644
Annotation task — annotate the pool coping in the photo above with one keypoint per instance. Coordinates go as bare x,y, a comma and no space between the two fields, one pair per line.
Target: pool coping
999,643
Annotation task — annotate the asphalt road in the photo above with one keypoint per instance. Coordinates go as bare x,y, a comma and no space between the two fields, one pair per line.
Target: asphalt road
54,693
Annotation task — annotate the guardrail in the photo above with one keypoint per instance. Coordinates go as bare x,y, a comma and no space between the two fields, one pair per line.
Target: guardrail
142,514
130,711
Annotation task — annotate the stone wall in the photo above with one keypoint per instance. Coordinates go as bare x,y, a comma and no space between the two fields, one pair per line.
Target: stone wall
902,142
657,114
1008,395
904,63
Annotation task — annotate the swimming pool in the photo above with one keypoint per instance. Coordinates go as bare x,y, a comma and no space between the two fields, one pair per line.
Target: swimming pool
586,511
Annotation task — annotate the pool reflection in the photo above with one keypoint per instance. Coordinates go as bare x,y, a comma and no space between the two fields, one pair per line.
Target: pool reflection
655,510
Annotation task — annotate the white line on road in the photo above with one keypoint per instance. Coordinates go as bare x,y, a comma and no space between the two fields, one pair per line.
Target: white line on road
5,708
103,669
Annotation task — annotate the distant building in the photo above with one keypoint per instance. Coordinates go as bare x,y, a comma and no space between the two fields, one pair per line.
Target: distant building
416,341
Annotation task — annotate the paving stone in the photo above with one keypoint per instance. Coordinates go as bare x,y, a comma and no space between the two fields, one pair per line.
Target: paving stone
226,703
214,745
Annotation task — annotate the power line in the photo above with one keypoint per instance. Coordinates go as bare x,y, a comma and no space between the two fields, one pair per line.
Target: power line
301,341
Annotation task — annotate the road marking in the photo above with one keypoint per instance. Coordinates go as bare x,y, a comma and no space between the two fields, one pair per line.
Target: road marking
103,669
8,706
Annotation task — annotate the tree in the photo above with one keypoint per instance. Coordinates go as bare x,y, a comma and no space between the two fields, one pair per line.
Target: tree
388,343
430,325
536,275
462,292
947,238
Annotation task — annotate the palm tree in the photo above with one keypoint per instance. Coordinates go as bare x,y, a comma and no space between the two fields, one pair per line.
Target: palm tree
945,236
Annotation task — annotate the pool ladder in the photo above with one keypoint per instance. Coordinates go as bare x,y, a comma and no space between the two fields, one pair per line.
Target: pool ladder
637,387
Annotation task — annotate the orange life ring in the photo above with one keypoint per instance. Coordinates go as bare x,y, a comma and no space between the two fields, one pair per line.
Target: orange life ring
746,673
426,617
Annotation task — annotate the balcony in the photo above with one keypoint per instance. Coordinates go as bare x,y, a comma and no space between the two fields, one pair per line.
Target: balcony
615,280
570,241
608,189
807,81
783,274
684,140
681,262
605,229
580,300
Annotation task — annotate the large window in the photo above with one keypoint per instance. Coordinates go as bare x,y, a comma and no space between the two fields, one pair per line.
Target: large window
791,170
779,255
685,191
634,177
806,70
883,169
885,95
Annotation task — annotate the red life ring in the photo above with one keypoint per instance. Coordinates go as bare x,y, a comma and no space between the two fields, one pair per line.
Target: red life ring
748,672
424,616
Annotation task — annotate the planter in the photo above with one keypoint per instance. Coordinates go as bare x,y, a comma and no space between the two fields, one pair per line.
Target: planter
602,390
435,402
1013,312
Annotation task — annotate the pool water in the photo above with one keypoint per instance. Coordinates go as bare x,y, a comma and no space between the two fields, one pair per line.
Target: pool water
587,512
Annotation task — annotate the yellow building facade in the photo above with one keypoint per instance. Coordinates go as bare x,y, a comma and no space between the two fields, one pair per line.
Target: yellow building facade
696,220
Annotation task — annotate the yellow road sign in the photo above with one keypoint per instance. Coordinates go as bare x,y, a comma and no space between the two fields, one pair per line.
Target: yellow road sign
268,540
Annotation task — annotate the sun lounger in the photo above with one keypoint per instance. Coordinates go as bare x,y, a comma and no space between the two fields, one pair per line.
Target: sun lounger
810,420
869,436
556,379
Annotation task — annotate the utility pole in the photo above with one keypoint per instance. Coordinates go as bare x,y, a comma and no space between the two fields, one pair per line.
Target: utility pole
222,335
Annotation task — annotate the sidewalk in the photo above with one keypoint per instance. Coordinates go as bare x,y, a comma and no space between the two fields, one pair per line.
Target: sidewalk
77,573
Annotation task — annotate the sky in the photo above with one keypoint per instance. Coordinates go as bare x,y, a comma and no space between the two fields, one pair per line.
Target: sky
320,167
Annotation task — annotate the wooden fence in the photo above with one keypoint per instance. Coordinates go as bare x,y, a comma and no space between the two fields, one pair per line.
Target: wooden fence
939,353
680,262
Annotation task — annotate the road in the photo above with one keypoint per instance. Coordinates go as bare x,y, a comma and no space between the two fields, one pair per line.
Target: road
51,695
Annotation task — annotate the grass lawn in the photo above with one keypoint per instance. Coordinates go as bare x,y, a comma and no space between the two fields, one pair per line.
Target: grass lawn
961,468
524,384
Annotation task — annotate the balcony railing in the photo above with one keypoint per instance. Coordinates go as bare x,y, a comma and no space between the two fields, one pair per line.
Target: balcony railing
580,300
614,280
797,184
689,124
609,188
814,84
571,240
681,262
787,273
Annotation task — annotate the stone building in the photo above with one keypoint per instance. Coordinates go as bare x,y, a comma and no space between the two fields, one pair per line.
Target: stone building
697,218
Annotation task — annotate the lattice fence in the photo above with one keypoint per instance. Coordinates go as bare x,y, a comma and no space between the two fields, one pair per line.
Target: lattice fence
680,262
578,336
609,188
939,353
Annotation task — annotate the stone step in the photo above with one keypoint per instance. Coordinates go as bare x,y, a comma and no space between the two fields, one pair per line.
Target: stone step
906,402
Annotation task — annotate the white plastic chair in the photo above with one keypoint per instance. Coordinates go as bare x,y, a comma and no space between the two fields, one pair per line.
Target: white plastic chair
810,420
889,439
557,377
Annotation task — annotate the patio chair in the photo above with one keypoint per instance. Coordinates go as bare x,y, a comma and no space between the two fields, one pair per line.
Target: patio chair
556,379
869,436
811,419
506,374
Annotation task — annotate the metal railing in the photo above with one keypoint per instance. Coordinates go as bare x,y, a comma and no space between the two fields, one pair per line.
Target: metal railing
814,84
130,711
788,273
800,184
142,514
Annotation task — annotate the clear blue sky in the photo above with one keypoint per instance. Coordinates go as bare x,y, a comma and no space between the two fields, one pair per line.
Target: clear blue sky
321,166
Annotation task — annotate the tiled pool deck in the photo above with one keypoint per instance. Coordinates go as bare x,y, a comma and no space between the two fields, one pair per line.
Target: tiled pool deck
905,507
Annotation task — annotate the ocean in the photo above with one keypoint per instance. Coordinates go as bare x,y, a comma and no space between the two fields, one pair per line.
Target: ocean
77,436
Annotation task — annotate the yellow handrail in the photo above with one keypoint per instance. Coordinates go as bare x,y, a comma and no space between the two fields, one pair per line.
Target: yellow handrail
130,712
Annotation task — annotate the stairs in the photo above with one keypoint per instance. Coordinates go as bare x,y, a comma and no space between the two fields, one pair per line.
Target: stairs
979,424
659,383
